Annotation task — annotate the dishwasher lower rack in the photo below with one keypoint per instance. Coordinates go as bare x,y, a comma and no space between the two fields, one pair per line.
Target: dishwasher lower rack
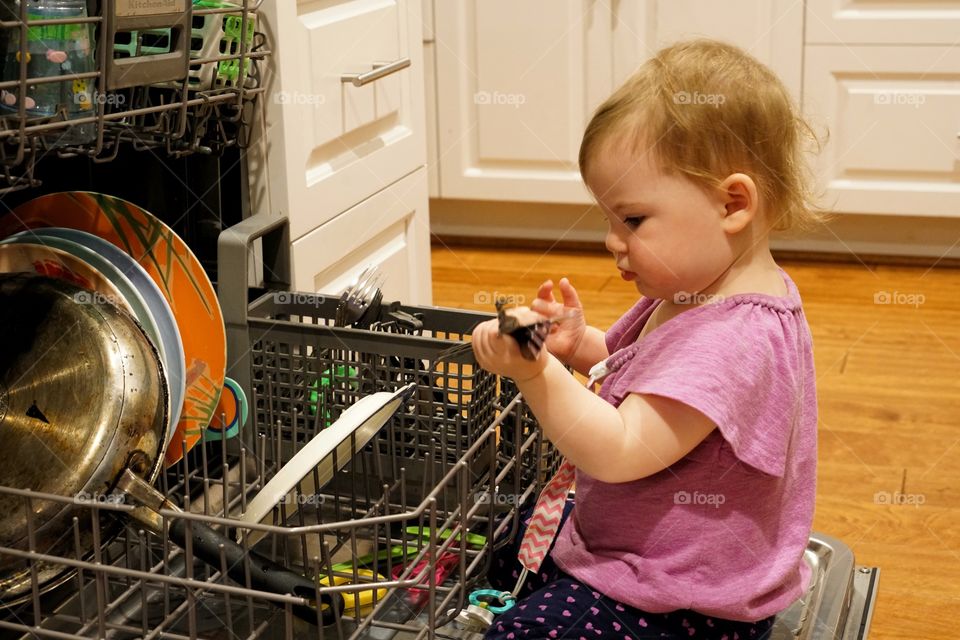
401,566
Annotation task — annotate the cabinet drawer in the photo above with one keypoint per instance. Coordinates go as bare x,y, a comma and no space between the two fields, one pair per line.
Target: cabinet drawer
329,143
887,22
894,120
390,230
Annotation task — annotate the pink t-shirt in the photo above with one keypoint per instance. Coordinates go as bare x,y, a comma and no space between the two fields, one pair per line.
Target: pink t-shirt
721,531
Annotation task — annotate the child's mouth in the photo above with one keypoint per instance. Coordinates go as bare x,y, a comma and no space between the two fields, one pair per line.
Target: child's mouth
627,275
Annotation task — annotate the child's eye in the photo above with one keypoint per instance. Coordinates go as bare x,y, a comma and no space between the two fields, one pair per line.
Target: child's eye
634,221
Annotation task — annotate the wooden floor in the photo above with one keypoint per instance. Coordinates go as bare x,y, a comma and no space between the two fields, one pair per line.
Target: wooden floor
888,377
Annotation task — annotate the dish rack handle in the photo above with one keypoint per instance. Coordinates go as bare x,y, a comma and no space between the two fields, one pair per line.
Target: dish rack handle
234,247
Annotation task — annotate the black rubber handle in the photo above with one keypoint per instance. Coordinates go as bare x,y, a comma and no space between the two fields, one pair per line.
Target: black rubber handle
265,574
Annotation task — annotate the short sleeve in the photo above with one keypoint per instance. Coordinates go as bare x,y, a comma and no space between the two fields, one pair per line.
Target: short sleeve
738,364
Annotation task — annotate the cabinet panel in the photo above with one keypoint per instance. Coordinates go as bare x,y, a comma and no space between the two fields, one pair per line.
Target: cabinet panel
433,154
894,120
770,30
883,22
390,229
330,144
515,94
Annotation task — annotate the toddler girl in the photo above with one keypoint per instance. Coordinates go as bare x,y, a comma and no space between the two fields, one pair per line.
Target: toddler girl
695,464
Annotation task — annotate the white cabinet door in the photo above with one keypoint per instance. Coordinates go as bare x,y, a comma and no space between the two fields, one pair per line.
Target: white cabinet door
390,230
883,22
328,143
894,120
518,81
516,84
770,30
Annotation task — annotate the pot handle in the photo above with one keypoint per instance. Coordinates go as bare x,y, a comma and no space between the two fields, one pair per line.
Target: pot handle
265,574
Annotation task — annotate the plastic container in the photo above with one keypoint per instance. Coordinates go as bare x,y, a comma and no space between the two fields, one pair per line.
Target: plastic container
53,50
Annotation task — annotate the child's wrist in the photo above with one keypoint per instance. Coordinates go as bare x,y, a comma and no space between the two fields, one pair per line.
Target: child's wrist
534,376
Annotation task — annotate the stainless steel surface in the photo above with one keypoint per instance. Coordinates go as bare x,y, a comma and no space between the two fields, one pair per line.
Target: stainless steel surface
84,396
380,70
836,603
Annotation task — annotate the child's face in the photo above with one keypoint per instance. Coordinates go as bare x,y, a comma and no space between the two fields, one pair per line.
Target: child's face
664,231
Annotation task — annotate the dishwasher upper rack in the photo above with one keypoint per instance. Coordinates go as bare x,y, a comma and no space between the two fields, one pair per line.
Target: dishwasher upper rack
210,106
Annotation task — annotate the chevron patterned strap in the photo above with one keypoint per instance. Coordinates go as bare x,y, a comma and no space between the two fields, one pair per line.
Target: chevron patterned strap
546,518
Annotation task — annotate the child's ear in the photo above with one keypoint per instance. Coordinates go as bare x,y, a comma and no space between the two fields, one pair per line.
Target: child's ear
738,195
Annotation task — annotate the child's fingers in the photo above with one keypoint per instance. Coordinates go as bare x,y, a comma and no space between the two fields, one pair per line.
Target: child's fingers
546,309
481,341
569,294
545,292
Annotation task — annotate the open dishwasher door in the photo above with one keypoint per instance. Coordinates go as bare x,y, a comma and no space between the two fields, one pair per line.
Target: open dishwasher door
839,603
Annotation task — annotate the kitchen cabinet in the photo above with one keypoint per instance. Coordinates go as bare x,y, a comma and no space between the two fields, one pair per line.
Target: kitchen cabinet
331,144
516,83
852,22
388,229
894,119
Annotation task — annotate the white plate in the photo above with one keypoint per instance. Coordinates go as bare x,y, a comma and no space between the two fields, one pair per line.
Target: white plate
363,420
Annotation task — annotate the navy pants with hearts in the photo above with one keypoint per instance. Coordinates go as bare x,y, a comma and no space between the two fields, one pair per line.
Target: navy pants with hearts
553,604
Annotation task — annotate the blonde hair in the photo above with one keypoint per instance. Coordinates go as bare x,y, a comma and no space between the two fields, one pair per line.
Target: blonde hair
708,109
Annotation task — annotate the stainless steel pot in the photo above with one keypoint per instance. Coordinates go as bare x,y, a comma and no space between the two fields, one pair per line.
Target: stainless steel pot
82,397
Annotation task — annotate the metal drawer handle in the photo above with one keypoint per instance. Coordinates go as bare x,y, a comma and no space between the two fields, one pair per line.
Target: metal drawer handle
380,70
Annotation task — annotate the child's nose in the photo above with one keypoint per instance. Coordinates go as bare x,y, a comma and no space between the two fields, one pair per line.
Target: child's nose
614,243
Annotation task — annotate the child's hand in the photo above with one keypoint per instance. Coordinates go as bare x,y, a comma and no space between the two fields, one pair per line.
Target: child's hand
565,336
500,354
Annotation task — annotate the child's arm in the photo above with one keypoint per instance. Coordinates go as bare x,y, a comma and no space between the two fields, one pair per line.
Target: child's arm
593,349
644,436
572,341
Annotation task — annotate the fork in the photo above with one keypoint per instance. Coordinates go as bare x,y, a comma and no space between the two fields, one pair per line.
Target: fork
358,297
